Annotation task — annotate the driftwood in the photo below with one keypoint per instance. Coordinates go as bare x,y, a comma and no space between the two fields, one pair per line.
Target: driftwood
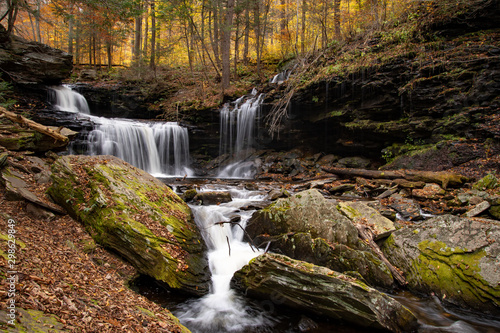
443,178
33,125
367,235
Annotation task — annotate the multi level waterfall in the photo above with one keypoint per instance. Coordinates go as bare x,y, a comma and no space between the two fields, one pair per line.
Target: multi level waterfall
237,134
161,149
223,310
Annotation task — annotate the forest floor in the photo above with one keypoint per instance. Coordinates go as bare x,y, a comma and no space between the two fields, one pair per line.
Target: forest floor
60,271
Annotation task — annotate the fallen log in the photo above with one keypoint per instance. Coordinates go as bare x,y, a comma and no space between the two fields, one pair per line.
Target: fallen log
442,178
367,235
33,125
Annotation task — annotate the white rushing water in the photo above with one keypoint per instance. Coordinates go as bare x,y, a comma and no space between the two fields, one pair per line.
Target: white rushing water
69,100
223,310
237,134
162,149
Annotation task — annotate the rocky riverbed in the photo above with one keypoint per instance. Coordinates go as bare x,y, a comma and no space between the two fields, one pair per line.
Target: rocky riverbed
439,233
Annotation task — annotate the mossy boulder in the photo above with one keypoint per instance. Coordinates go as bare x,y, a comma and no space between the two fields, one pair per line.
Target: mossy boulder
131,212
488,182
309,227
338,257
321,291
306,211
453,257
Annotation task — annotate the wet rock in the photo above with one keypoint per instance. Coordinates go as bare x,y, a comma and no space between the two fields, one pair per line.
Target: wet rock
342,188
359,212
189,195
3,159
328,160
362,264
16,138
408,209
453,257
306,324
322,291
30,320
276,194
309,227
136,215
39,213
213,198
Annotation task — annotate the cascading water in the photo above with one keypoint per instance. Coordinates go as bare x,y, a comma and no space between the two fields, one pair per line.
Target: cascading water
237,135
66,99
222,310
161,149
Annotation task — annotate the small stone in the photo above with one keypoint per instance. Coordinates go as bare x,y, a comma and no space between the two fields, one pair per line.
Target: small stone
478,209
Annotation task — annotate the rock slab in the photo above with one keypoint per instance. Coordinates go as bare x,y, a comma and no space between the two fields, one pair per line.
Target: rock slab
456,258
131,212
322,291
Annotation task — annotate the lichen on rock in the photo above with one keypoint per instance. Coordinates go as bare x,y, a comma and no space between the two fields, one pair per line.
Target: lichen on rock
453,257
136,215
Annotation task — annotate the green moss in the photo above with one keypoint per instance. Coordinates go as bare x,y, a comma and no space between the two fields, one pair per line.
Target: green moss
454,272
131,213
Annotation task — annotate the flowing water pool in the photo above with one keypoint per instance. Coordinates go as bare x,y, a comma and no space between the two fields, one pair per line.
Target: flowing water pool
223,310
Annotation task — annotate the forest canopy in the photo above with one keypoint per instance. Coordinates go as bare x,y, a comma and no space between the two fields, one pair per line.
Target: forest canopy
215,35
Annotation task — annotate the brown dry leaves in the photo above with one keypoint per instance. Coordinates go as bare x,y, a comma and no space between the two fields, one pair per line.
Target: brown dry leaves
87,291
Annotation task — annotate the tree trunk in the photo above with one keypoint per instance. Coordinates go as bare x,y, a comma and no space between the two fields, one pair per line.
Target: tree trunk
152,62
367,235
257,28
236,43
77,42
440,177
37,21
70,34
303,28
336,18
138,35
226,44
247,34
33,125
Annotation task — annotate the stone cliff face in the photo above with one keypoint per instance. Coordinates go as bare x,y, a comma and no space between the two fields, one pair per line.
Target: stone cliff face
33,63
443,87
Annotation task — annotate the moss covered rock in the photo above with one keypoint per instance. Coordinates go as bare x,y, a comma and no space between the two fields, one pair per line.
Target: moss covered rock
131,212
338,257
322,291
453,257
309,227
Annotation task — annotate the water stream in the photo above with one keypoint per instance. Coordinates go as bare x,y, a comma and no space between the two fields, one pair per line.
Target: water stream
163,149
223,310
160,148
237,135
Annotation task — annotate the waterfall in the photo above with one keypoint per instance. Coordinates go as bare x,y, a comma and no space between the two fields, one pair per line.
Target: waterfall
281,77
162,149
237,133
223,310
66,99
